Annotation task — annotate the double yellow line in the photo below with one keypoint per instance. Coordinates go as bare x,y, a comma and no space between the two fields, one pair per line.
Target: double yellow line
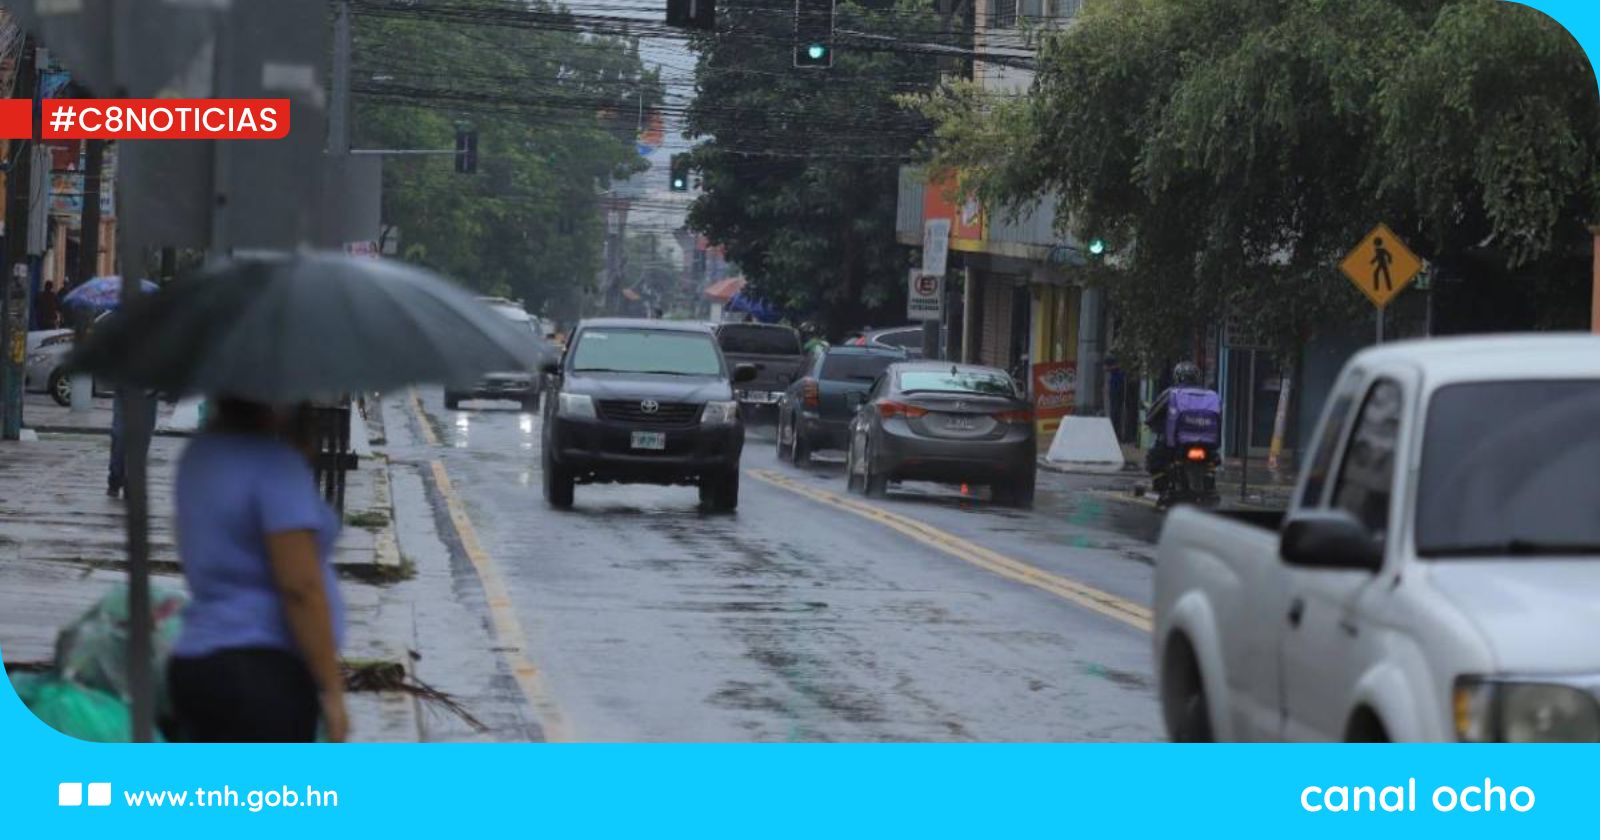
1100,601
502,612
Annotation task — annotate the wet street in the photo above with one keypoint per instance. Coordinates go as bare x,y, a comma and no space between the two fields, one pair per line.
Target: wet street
810,615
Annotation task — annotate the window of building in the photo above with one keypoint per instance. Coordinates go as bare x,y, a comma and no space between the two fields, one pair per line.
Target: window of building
1003,14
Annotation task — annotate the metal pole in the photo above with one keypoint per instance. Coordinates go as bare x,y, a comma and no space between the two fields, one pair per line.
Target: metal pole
1427,317
1249,427
1380,325
339,96
15,277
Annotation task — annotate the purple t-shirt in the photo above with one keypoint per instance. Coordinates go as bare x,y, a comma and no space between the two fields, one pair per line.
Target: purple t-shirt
232,491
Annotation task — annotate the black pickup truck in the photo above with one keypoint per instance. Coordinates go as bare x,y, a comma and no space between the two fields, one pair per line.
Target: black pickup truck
775,353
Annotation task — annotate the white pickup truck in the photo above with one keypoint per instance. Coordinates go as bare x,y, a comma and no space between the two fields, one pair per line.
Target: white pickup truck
1436,577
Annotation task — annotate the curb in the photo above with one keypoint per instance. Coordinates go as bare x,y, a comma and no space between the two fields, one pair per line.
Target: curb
102,431
1126,469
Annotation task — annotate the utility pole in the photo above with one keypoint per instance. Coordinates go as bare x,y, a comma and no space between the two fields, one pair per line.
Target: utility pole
89,237
339,96
14,300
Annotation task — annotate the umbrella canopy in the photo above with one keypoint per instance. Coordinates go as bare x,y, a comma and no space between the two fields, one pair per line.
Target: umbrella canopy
304,327
99,294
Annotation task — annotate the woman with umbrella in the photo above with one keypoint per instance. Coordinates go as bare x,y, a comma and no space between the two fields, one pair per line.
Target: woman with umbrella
257,659
87,301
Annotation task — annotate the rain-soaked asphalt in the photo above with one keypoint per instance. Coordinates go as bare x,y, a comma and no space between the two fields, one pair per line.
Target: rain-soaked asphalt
647,620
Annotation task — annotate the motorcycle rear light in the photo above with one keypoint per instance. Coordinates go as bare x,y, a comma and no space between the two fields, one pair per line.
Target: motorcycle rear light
1022,415
890,408
1197,453
809,393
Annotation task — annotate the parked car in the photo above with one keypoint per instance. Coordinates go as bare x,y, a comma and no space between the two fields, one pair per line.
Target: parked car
522,386
1435,577
815,412
775,353
935,421
44,369
907,339
644,402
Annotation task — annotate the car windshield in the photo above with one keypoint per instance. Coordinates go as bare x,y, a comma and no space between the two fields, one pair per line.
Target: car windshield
764,340
646,351
857,366
987,383
1508,468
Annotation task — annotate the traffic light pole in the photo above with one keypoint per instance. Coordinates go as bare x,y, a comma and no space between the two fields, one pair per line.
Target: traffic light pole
17,273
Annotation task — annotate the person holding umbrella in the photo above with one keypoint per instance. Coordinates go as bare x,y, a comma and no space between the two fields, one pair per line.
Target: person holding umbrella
257,659
87,302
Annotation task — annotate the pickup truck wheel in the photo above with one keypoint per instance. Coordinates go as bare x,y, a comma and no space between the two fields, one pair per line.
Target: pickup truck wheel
558,484
799,451
452,401
1183,695
1366,728
720,493
783,451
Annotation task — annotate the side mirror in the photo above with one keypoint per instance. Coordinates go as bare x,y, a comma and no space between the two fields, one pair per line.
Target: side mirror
744,372
1329,540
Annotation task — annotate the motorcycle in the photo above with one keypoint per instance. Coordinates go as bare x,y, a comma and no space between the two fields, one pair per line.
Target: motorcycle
1190,477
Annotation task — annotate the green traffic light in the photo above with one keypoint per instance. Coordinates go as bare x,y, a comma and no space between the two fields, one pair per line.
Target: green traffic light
816,52
1097,246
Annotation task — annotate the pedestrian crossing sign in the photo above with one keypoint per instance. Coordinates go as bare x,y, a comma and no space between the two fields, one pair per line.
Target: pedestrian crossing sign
1381,266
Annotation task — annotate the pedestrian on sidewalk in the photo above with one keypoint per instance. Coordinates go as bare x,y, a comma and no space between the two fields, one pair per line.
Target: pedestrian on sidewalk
258,657
117,471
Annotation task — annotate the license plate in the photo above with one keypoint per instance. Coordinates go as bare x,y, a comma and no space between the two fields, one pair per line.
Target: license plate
960,424
649,440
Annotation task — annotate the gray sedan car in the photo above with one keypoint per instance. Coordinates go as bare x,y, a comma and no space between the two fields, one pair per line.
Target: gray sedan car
935,421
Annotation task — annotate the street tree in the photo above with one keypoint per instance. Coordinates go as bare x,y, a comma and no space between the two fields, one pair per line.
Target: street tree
1230,151
556,114
799,167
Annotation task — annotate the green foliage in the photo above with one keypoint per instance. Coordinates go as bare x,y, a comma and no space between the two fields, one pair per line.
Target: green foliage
1232,150
799,167
556,114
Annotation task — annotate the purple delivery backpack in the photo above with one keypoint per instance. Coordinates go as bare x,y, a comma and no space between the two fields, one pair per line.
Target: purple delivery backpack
1194,416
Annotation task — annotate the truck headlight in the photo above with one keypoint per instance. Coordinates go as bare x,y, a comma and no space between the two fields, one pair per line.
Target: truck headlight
580,406
720,413
38,359
1524,712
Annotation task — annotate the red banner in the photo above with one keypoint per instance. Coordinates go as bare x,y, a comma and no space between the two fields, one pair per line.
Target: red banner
165,119
1055,389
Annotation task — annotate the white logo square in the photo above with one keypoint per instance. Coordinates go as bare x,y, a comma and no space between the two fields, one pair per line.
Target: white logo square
69,794
99,794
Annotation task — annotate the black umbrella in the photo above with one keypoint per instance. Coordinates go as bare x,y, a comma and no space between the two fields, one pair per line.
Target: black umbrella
281,330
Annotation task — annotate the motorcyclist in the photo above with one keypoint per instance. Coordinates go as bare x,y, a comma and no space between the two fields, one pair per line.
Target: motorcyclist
1185,376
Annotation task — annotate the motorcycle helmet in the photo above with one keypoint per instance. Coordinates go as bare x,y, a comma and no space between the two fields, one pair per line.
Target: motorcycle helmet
1186,374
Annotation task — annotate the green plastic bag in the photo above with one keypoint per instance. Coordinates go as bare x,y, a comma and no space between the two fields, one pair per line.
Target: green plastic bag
75,710
92,651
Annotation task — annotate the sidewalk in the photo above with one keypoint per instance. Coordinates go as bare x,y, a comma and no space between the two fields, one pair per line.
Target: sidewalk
62,546
41,414
1262,490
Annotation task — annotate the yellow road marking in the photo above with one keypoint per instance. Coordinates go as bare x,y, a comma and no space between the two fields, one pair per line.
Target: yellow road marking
502,614
422,420
1100,601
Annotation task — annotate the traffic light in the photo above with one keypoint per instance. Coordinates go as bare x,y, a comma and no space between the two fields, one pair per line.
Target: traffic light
1097,247
813,34
466,150
679,174
692,14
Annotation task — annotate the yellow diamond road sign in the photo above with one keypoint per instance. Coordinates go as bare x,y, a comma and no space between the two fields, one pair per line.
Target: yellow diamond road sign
1381,265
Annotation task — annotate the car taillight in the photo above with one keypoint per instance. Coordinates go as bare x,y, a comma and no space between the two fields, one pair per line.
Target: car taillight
809,393
890,408
1021,415
1197,453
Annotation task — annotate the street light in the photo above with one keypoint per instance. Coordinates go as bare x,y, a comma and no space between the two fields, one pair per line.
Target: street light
1097,247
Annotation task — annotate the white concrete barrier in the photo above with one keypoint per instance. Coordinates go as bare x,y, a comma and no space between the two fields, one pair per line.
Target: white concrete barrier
1086,443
